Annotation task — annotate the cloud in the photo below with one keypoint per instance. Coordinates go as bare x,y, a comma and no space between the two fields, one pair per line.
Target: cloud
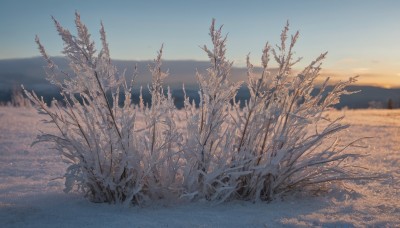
347,61
360,70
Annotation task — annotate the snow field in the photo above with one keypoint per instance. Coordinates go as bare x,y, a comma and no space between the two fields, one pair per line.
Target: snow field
31,193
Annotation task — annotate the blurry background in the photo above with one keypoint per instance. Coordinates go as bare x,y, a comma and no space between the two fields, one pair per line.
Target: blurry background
361,37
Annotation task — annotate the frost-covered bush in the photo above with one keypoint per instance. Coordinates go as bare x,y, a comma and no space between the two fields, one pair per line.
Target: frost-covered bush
109,157
159,137
280,141
121,153
209,134
284,141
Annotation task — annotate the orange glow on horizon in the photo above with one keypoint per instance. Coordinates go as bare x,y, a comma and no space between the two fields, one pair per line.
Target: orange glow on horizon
387,80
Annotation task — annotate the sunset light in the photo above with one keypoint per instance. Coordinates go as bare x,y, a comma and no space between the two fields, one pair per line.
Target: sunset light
361,37
212,113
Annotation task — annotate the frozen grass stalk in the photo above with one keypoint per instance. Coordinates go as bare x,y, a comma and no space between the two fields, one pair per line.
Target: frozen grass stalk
121,153
109,160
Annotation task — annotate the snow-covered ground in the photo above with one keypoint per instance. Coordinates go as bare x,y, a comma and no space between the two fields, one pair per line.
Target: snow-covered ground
31,192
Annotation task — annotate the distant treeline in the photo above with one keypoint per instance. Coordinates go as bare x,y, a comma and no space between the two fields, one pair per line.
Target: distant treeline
374,97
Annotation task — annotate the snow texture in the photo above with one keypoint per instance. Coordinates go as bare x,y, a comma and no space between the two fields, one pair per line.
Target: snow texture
31,193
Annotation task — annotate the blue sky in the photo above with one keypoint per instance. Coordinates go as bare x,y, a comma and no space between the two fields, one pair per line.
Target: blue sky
361,36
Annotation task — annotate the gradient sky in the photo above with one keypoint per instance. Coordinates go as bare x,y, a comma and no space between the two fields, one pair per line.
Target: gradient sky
362,37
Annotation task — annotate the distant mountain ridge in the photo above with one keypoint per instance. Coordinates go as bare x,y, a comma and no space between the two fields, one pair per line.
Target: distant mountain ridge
30,72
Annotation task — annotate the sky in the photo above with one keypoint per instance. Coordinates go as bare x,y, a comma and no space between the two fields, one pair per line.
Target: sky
362,37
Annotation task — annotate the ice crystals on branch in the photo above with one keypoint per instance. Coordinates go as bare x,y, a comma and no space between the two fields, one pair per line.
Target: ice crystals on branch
122,153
